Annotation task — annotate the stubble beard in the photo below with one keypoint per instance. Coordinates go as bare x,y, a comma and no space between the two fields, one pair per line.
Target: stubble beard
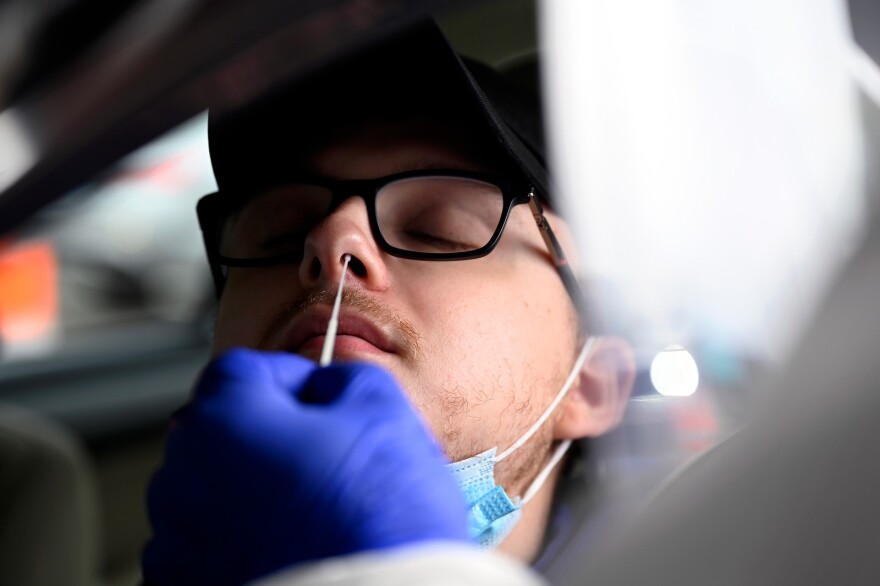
523,404
452,404
352,299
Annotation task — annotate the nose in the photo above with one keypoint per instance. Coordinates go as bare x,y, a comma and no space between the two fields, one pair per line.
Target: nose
345,231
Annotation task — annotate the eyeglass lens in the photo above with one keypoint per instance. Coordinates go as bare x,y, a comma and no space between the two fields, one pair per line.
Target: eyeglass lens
430,214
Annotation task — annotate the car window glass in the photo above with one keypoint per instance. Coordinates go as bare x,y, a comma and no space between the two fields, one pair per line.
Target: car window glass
118,264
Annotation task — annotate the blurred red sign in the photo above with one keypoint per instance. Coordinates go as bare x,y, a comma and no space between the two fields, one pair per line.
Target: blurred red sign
28,291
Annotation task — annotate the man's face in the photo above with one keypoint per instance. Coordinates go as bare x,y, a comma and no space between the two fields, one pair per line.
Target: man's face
480,346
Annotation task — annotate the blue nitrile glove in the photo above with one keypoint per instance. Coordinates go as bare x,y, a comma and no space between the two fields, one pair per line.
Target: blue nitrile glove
277,462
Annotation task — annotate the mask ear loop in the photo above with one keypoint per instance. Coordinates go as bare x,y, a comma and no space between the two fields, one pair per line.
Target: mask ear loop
539,480
333,325
576,369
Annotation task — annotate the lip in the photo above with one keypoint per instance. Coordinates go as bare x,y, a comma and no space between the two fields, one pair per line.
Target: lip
307,331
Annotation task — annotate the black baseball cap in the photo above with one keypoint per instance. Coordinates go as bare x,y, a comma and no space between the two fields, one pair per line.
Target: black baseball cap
413,72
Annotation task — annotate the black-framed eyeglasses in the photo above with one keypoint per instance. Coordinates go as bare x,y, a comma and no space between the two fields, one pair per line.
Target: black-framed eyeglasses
431,215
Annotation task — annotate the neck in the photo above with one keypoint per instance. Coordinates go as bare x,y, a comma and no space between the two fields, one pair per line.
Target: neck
524,542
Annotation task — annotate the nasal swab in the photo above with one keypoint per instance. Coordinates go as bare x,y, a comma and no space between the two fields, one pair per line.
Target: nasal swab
330,338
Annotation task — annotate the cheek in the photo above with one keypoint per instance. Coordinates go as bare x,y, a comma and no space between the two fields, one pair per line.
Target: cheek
479,316
251,300
496,345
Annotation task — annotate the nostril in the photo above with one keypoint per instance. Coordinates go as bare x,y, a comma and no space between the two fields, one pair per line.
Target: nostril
357,267
315,269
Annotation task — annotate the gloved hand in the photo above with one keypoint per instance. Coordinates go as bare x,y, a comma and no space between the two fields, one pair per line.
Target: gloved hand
276,462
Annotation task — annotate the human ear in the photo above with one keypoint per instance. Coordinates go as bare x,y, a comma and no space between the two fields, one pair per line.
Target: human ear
596,402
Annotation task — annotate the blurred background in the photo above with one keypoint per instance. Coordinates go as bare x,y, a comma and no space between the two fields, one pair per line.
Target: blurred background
106,303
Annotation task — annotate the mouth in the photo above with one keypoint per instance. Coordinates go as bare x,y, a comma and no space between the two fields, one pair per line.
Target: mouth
356,337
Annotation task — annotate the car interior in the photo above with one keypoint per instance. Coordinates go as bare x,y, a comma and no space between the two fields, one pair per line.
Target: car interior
106,300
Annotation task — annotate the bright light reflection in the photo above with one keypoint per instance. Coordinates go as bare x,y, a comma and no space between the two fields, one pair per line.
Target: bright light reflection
674,372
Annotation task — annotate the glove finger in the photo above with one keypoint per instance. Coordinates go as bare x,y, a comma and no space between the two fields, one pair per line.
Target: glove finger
242,391
423,501
369,396
243,374
373,397
353,384
377,392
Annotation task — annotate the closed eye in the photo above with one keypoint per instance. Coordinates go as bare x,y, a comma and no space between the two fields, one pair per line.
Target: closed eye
439,242
284,241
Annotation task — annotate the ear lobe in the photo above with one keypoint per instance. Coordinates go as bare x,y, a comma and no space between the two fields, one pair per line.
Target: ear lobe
596,402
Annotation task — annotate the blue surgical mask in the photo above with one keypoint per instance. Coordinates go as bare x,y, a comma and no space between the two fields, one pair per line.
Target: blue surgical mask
492,514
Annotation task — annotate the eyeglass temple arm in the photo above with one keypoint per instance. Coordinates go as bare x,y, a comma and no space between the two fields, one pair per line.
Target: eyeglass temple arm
569,281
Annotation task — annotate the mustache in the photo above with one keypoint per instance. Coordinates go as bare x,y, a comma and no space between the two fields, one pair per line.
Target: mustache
352,299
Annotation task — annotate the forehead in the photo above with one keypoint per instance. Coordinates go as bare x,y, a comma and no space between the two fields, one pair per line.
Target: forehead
380,147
